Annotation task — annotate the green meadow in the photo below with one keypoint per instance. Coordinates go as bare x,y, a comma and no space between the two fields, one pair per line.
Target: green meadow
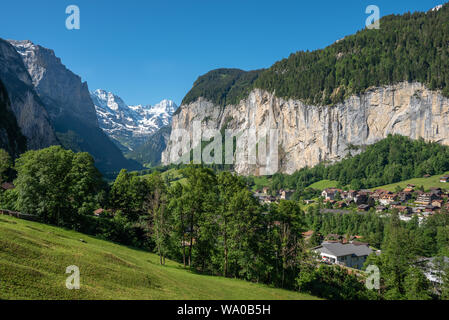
34,258
427,183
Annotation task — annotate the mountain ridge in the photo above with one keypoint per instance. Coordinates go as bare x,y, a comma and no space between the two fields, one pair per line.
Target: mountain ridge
70,109
129,126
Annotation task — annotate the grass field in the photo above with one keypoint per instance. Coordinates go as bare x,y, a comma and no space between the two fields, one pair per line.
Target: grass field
260,182
323,184
34,258
433,181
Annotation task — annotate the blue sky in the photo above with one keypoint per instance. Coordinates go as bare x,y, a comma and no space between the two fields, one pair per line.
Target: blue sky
148,50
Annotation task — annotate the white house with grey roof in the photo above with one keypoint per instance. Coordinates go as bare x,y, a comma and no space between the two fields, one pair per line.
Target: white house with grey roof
347,254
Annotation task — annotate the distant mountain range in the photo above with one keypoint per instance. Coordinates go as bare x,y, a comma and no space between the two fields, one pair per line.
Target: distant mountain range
130,126
43,103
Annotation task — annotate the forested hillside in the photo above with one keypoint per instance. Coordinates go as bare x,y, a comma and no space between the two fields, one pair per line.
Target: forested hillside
393,159
409,47
222,86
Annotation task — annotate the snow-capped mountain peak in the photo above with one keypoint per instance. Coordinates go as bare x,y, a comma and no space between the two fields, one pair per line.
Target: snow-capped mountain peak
130,125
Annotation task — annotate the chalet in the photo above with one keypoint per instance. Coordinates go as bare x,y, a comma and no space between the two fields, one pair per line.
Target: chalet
349,255
379,193
7,186
380,209
424,198
408,190
349,195
286,194
427,176
411,186
387,198
330,193
444,179
437,203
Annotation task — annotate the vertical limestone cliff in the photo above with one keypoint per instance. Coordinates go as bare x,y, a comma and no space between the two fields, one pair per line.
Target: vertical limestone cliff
311,134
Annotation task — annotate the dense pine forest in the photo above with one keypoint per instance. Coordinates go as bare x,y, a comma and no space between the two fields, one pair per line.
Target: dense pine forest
409,47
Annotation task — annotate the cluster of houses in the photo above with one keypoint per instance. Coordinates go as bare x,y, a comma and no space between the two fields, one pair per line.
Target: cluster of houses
264,196
352,253
409,201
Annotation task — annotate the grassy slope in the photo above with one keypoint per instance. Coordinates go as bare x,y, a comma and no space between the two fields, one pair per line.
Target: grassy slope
433,181
323,184
34,256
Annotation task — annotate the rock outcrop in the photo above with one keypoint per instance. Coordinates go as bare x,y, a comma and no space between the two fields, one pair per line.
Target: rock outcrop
28,108
308,135
70,107
11,138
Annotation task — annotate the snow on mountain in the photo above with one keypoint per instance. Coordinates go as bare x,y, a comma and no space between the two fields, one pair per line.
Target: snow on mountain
438,7
129,126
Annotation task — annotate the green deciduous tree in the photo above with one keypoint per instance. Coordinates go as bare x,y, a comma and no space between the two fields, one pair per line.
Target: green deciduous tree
57,184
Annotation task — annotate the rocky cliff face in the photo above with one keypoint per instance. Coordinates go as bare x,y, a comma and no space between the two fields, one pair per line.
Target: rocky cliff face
308,135
28,108
70,107
11,138
61,90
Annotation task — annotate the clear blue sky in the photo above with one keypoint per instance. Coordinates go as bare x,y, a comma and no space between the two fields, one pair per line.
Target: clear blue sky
148,50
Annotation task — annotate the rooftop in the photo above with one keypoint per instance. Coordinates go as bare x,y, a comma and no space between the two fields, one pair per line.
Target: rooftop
339,249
